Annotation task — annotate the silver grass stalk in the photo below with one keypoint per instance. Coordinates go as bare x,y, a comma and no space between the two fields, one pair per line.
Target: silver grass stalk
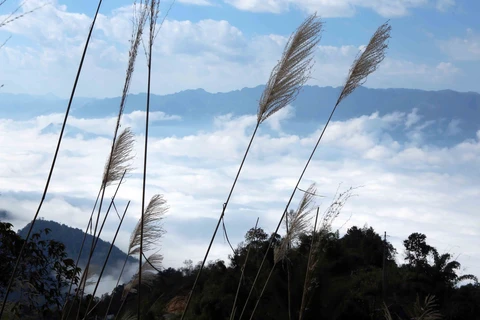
284,84
152,229
293,69
120,158
368,61
153,8
362,67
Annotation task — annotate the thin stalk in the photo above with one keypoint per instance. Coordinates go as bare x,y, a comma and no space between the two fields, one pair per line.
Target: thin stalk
286,208
118,281
94,242
219,221
289,298
47,184
80,252
121,307
232,314
106,259
307,272
263,290
153,15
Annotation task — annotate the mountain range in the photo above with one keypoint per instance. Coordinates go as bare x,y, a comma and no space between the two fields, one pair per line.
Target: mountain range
196,108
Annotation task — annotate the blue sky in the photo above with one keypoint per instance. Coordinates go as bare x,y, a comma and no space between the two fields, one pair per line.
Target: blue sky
227,45
230,44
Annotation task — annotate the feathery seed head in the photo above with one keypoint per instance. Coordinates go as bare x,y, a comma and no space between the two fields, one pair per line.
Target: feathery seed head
297,223
152,228
293,69
368,61
119,159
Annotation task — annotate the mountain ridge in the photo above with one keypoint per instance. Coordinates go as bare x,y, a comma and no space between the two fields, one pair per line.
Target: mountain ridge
72,239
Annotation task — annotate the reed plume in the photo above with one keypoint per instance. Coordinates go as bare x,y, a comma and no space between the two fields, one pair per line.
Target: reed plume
152,229
12,17
298,223
367,62
293,69
283,86
120,158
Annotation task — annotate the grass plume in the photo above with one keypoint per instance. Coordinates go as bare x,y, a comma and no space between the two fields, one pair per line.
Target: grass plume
120,158
152,229
293,69
297,223
367,62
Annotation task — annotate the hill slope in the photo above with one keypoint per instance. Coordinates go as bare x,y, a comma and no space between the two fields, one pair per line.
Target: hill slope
72,239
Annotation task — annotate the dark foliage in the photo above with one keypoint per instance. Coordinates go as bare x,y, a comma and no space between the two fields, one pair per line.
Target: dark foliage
44,273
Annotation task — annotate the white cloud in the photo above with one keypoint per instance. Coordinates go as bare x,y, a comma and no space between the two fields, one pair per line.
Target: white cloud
453,127
197,2
406,188
444,5
463,49
412,118
338,8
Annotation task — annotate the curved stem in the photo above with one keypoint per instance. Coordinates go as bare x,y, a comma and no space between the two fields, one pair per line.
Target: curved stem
106,260
219,221
286,207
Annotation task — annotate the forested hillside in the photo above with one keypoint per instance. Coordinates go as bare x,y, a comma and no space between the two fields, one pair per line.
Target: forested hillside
72,239
347,279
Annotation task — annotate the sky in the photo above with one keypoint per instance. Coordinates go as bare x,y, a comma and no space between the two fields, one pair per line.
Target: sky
404,186
435,44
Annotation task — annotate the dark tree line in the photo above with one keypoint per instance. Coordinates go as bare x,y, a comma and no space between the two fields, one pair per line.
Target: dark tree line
352,277
347,281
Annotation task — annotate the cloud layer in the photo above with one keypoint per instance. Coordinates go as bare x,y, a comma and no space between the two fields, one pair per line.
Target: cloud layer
408,185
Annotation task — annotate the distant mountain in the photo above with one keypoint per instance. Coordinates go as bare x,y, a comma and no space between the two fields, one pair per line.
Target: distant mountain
4,215
312,107
70,131
72,239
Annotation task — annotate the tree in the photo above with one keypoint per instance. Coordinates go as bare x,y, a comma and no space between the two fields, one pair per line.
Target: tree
42,275
417,250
